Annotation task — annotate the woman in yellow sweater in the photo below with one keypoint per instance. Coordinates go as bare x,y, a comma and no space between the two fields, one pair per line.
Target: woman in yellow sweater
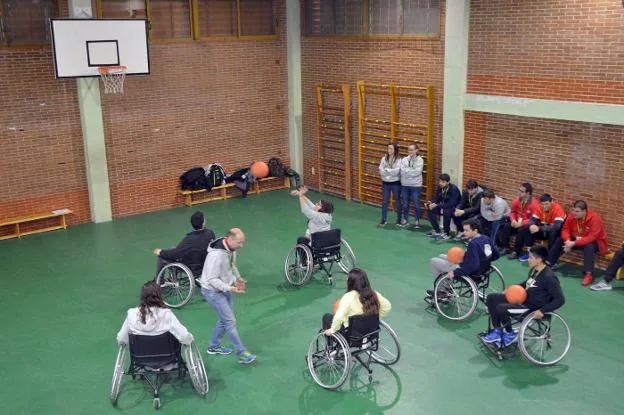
359,299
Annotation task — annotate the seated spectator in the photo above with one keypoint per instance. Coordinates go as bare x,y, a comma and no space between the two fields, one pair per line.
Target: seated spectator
545,225
494,211
612,269
544,295
582,230
522,210
469,206
447,197
191,251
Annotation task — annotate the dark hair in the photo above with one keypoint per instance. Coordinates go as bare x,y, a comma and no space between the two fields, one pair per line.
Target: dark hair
527,188
472,184
395,156
197,220
473,223
580,204
545,198
539,251
150,297
445,177
489,193
358,281
326,207
415,144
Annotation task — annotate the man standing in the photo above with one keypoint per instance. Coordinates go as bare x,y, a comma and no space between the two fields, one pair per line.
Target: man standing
220,278
447,197
411,183
583,230
191,251
468,207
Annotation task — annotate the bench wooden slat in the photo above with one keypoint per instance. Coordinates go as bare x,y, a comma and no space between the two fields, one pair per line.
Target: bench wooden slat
15,222
30,218
221,193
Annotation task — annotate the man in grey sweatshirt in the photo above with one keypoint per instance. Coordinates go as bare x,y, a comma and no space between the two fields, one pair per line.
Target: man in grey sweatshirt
220,278
494,210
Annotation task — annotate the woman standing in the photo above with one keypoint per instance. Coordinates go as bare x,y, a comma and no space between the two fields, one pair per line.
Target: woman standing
390,171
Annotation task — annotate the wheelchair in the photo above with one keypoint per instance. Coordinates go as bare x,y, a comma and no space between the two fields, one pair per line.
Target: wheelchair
330,358
542,342
457,299
177,280
155,359
326,249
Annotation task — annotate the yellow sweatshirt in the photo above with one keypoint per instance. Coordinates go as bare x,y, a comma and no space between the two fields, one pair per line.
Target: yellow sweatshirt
350,305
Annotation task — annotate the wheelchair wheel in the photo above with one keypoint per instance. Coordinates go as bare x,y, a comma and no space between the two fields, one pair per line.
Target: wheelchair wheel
347,257
176,283
544,342
496,283
118,372
196,369
329,358
455,299
298,265
388,348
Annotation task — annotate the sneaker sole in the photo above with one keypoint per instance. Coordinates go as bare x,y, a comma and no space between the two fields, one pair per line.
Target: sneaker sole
601,289
219,353
248,362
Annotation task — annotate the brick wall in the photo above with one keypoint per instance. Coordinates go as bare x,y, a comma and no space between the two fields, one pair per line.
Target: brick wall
555,49
338,61
204,102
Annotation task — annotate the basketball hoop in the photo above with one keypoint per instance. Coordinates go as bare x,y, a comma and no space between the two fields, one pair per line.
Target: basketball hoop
113,78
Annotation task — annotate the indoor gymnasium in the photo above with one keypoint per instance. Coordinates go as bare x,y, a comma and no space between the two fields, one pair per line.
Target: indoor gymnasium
311,206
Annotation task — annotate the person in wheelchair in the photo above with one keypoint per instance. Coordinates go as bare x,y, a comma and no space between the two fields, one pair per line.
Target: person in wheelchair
192,250
480,250
544,295
360,299
319,215
152,317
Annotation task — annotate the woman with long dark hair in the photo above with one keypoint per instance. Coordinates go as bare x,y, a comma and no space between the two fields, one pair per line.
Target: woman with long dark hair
359,299
390,173
152,317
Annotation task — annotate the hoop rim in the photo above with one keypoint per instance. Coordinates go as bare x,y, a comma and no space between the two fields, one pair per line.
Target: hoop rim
105,70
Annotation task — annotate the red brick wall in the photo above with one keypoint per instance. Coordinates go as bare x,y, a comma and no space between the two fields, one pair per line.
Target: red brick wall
556,49
204,102
336,61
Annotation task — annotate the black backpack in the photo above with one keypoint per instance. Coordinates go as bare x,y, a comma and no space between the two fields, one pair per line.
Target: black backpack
215,176
276,168
193,179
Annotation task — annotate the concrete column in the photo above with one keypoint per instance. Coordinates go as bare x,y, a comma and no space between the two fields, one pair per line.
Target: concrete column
455,80
295,127
93,132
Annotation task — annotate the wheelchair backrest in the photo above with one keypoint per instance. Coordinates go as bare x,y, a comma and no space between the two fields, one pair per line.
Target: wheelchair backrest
485,267
326,242
194,259
154,351
363,329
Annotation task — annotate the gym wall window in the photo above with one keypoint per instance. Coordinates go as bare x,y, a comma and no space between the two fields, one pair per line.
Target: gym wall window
399,19
26,22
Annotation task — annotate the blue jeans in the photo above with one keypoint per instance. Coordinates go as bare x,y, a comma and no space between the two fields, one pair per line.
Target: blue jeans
491,229
446,217
387,189
222,304
411,194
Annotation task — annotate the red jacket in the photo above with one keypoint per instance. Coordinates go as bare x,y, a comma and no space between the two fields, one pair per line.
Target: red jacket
583,232
523,211
548,218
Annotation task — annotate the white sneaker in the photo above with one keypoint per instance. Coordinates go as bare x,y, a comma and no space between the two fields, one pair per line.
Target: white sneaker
602,286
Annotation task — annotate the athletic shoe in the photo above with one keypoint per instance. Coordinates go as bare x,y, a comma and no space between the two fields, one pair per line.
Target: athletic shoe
509,338
459,236
443,237
442,295
416,225
602,286
587,279
513,255
219,350
246,358
403,223
433,234
383,223
524,257
493,336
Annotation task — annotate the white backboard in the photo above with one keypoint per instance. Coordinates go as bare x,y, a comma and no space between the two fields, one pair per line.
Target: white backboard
82,45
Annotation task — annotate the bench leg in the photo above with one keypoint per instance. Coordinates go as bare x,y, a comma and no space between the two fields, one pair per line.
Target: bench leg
63,222
17,231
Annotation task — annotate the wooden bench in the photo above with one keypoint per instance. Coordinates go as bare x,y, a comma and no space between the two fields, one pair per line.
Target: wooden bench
16,222
220,192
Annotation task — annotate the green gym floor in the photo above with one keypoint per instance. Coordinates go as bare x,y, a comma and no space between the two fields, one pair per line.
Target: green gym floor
65,295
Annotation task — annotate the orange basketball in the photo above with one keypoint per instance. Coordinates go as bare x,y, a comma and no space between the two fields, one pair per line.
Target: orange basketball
260,169
336,305
516,294
455,255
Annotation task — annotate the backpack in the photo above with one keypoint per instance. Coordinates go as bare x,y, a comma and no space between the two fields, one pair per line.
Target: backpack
276,168
215,176
193,179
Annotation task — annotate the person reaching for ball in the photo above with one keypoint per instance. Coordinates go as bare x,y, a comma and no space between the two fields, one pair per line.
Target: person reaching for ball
543,295
319,215
480,250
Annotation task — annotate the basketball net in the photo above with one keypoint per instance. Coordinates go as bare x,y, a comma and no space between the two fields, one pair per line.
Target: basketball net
113,78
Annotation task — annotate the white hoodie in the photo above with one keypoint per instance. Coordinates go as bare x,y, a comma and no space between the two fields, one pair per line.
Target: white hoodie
390,173
157,321
411,171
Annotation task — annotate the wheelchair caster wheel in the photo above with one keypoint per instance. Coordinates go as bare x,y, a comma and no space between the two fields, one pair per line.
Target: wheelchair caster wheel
156,403
370,379
331,281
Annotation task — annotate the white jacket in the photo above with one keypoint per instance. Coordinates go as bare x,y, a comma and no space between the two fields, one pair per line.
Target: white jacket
411,171
390,172
157,321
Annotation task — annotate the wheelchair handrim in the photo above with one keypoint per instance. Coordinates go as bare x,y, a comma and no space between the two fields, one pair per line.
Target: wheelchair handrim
118,373
463,298
196,369
297,274
336,360
383,355
537,343
176,284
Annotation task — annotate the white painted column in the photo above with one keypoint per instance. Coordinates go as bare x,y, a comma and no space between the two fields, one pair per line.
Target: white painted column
455,80
295,127
93,132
